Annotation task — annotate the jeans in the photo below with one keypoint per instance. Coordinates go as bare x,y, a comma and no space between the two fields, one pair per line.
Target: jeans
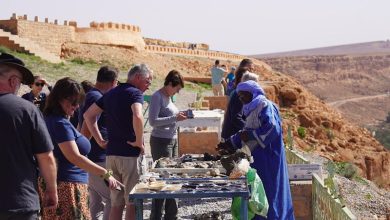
163,147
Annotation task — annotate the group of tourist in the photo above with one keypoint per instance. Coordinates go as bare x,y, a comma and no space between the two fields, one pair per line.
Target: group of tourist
87,169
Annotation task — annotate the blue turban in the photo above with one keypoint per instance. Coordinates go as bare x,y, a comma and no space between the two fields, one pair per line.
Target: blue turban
258,95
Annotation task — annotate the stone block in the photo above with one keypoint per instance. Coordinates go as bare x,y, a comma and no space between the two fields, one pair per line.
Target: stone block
93,24
217,102
198,142
73,23
301,193
205,103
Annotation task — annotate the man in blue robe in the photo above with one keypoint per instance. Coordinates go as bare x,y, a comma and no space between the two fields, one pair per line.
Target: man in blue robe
263,135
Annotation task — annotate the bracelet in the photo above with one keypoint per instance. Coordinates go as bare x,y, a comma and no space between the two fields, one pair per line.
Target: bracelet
107,174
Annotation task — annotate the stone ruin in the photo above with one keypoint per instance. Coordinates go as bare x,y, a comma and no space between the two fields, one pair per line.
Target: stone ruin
51,36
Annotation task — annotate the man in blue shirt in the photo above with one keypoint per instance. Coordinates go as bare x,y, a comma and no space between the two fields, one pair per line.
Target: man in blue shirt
123,108
99,193
217,74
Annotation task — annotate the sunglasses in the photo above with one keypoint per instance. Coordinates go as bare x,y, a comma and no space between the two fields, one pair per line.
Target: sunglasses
148,81
39,84
73,102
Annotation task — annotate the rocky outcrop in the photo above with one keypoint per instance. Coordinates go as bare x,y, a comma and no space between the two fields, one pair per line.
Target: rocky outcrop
327,132
356,85
337,77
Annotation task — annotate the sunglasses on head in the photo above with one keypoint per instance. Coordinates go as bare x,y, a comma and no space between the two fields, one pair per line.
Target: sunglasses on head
39,84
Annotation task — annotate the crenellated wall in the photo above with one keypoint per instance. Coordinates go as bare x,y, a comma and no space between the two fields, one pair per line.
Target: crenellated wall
111,34
196,53
48,35
166,43
52,36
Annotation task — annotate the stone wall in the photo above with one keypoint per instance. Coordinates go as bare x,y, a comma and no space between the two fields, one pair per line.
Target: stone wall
198,142
4,41
325,206
111,34
9,25
301,193
185,45
196,53
217,102
51,35
48,35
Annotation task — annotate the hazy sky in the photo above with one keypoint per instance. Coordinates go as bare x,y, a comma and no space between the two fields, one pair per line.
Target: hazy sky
245,26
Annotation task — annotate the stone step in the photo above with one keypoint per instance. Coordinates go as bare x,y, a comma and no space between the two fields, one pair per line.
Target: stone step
30,47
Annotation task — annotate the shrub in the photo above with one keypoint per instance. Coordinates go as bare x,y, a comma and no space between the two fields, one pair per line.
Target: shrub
302,132
346,169
329,134
80,61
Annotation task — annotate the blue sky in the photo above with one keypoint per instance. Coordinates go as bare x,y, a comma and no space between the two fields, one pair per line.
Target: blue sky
245,26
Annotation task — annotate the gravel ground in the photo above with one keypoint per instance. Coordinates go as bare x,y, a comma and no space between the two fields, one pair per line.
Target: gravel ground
363,198
190,208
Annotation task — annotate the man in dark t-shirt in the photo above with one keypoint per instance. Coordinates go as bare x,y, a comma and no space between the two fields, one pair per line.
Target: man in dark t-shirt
25,146
124,120
99,193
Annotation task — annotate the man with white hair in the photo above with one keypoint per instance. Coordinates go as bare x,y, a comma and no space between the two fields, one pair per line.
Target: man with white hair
123,108
250,76
25,145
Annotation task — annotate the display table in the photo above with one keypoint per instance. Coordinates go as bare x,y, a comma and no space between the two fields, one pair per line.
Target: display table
196,188
204,118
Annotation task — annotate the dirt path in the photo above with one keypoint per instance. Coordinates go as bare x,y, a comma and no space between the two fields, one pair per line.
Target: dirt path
342,102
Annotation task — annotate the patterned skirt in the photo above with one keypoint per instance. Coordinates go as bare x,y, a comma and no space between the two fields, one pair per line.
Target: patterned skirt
73,202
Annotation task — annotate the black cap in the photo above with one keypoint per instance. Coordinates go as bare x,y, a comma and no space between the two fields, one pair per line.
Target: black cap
10,60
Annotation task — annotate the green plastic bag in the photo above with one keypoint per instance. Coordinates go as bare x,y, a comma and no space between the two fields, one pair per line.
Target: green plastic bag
258,203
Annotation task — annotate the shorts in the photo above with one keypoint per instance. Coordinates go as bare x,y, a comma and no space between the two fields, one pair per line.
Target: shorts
127,171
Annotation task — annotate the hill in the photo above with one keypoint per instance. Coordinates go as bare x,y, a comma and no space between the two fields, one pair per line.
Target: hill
375,47
356,85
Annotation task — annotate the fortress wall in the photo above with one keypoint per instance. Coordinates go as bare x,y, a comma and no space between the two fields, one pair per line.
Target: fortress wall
111,34
52,36
185,45
196,53
48,35
9,25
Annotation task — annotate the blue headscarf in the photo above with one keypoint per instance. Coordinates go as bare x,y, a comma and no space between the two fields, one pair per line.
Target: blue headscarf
258,95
